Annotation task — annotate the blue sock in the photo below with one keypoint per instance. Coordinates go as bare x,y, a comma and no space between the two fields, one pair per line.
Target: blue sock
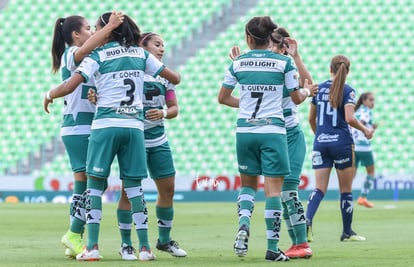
314,200
347,210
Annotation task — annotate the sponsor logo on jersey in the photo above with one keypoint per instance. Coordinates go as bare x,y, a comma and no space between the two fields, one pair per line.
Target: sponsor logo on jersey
327,138
261,64
126,110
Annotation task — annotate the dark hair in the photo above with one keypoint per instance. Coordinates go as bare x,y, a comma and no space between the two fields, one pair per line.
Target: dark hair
62,35
260,29
145,37
339,67
278,37
127,34
361,99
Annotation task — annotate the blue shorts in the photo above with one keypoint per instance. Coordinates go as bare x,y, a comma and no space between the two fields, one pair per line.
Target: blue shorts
341,157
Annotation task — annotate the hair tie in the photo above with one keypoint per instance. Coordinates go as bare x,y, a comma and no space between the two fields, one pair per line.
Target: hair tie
257,37
103,21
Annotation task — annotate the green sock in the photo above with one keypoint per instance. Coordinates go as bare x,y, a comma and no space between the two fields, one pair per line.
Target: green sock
125,224
289,226
367,186
165,218
135,195
245,202
78,188
296,214
273,220
94,210
77,224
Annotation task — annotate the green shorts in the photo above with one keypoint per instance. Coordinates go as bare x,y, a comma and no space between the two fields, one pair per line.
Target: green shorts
366,158
297,152
262,154
160,161
125,143
76,148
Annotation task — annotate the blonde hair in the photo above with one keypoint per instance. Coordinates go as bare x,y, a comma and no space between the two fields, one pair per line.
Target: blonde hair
339,68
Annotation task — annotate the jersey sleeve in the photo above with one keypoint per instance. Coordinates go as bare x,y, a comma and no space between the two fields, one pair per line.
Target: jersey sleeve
70,58
88,67
349,97
291,76
230,80
153,66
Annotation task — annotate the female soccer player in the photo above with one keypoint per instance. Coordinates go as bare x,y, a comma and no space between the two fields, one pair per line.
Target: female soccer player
117,128
363,149
72,41
261,134
331,113
158,93
293,210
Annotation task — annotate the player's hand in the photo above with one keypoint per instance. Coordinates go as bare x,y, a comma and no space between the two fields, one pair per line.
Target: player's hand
46,103
313,88
92,96
154,114
369,133
291,46
234,52
116,19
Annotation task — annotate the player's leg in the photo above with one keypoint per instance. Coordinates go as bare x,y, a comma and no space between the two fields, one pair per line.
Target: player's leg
133,168
161,168
368,162
275,166
76,147
249,170
345,172
124,216
293,210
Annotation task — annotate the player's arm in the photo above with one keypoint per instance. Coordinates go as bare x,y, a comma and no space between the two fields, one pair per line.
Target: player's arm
312,117
225,97
172,76
100,37
354,122
63,89
169,113
308,90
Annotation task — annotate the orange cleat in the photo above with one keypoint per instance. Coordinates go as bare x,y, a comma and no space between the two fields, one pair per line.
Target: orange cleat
299,251
363,201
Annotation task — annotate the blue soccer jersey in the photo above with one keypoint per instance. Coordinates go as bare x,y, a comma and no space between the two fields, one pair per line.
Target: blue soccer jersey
331,126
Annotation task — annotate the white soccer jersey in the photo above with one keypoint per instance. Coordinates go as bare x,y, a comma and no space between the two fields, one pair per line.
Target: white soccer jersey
155,89
261,75
119,76
78,111
290,109
361,142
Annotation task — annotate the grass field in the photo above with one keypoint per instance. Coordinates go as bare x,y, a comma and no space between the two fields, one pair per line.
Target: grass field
30,236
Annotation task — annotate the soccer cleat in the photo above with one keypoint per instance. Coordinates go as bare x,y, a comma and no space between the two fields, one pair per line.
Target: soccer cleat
289,250
352,237
72,241
89,255
363,201
172,248
146,255
127,253
241,243
299,251
309,233
70,254
276,256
